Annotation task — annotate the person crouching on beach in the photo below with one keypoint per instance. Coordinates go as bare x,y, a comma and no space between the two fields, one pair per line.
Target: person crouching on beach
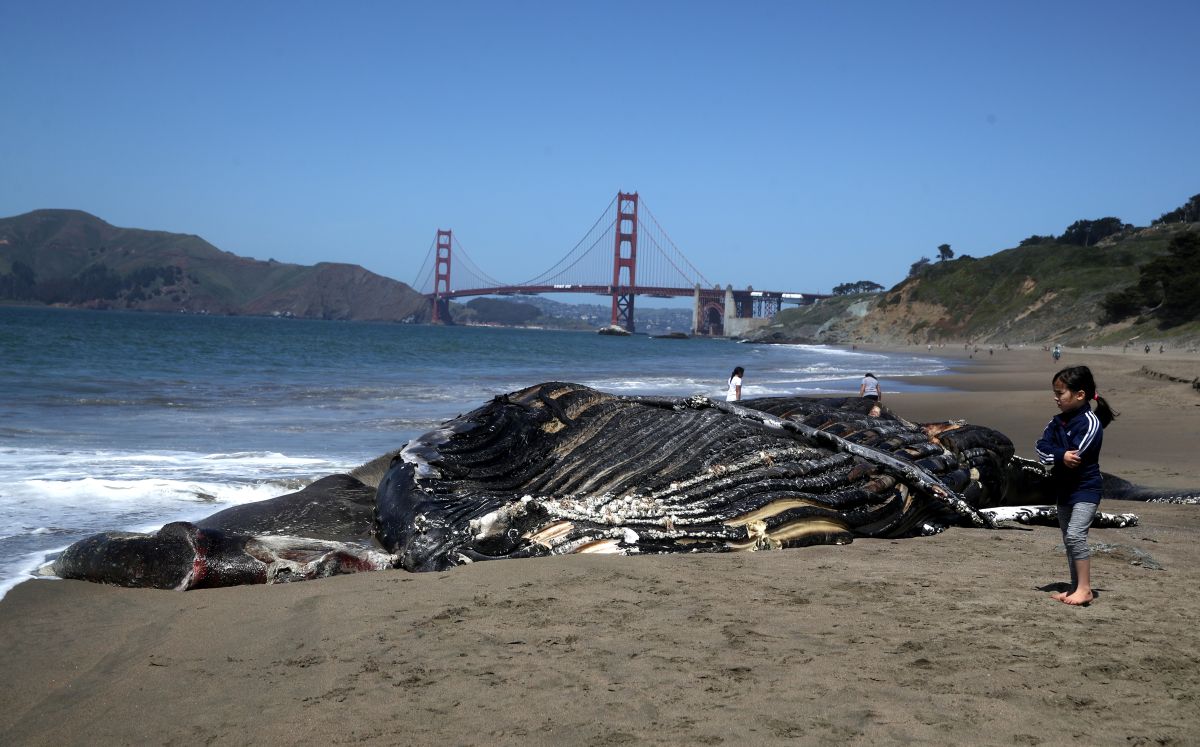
870,388
1071,443
735,385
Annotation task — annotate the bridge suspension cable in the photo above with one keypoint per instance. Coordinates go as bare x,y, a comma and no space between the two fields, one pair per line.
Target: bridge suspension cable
476,278
466,273
577,259
660,263
655,234
423,282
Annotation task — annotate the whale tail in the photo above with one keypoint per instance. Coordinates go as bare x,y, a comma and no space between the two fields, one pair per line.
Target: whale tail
1120,489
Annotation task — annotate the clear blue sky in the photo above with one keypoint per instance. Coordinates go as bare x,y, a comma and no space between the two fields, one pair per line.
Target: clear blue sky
789,145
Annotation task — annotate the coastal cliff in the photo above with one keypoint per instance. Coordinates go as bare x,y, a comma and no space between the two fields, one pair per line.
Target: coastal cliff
74,259
1037,293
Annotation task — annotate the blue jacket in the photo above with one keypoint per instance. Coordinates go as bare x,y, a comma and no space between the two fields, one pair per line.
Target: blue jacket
1078,430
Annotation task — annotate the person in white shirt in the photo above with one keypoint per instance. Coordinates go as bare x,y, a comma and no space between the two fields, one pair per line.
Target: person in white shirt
870,388
735,385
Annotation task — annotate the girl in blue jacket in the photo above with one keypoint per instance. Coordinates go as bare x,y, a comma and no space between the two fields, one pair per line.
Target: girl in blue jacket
1071,443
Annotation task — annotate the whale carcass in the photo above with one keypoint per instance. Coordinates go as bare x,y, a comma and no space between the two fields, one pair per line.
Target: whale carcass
561,468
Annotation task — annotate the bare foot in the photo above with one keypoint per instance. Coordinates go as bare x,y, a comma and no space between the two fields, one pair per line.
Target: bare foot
1078,598
1058,596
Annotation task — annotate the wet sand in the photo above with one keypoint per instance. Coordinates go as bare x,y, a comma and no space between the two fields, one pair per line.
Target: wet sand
946,639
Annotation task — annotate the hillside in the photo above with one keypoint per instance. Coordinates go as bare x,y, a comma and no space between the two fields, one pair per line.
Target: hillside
1040,293
72,258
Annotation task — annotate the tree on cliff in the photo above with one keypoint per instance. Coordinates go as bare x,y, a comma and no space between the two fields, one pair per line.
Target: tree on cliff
1088,232
945,253
919,265
1166,287
862,286
1188,213
1035,239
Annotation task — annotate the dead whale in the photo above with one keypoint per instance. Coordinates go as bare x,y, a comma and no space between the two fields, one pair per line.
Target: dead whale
561,468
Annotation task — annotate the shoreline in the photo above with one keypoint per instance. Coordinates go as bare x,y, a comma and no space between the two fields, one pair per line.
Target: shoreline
943,639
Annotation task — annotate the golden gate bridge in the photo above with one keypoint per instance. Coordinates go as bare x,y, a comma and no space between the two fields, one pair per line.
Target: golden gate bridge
626,253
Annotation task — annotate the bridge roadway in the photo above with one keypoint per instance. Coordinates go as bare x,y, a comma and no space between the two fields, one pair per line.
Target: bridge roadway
641,290
717,312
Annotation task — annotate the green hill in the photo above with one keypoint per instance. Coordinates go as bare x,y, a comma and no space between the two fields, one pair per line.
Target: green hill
71,258
1048,291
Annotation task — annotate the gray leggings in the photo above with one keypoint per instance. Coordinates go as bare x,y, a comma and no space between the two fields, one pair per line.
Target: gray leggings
1074,521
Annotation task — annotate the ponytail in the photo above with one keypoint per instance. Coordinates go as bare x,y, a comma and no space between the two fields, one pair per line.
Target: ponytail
1104,411
1080,379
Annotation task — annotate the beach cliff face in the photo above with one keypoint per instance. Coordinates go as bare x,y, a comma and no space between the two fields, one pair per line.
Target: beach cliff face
895,319
1037,293
852,320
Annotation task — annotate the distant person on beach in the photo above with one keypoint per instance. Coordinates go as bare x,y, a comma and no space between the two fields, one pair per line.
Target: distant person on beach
870,388
735,385
1071,444
1057,352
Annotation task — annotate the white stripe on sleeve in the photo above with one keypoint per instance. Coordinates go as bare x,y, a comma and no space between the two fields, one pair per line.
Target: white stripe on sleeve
1093,428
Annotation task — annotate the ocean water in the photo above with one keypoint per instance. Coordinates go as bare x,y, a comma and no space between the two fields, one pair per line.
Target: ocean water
127,421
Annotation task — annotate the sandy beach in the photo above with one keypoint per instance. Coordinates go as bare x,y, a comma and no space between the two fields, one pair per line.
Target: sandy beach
945,639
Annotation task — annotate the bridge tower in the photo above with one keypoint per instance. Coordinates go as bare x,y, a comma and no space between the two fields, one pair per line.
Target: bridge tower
625,257
441,304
